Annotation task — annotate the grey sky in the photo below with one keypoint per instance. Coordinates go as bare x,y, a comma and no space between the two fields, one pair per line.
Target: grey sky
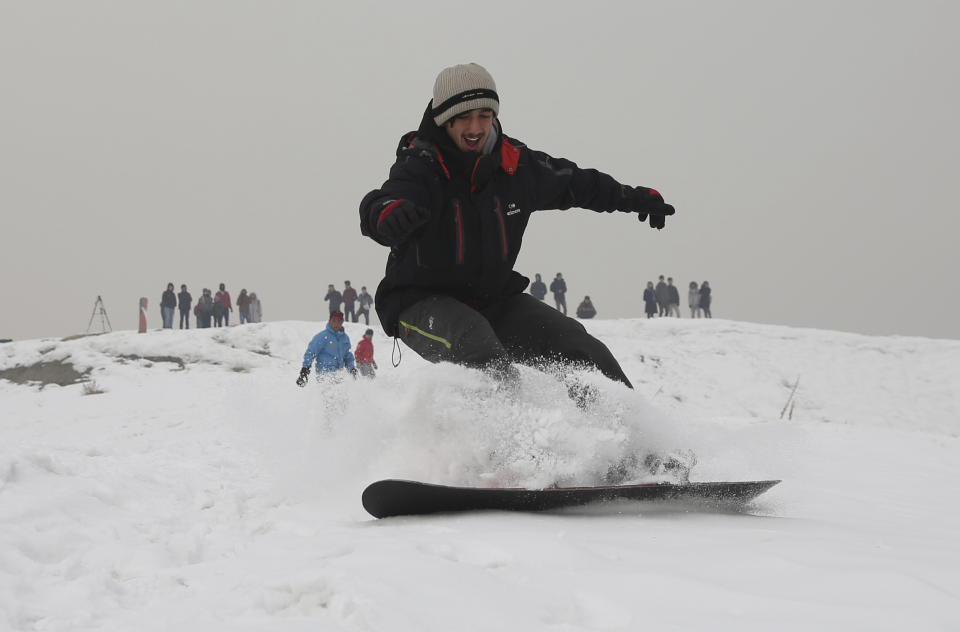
811,150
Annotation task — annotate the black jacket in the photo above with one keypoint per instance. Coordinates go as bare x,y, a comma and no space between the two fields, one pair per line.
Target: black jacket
184,300
335,298
650,300
538,289
480,206
169,299
673,295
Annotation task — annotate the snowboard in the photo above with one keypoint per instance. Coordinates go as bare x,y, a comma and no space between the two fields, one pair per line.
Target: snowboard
392,497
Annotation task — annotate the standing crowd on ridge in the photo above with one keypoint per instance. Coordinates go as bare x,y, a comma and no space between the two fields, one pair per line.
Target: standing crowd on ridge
210,309
660,300
664,299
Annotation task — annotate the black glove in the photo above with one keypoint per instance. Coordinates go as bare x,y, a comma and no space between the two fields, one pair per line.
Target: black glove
398,219
644,202
304,374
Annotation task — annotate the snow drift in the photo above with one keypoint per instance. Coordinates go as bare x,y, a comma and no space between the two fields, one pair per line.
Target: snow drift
181,480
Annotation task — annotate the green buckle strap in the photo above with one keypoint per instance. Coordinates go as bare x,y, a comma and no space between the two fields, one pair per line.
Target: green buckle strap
446,343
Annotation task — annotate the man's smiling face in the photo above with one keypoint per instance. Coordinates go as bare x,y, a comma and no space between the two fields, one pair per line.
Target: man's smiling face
470,130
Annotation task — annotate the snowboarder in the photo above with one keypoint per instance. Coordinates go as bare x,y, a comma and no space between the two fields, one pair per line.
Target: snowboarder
330,349
366,365
453,212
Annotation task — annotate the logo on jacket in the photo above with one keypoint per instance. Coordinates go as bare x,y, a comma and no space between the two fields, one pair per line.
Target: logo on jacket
512,209
430,323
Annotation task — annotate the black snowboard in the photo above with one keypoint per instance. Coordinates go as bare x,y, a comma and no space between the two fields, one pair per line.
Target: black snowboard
404,498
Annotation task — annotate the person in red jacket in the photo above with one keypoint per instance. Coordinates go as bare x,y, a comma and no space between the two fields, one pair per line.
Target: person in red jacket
366,365
223,298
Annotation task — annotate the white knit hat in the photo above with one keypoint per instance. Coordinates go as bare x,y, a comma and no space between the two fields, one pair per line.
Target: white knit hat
460,89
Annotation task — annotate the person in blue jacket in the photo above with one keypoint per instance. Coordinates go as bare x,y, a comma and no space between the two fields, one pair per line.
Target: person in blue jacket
330,349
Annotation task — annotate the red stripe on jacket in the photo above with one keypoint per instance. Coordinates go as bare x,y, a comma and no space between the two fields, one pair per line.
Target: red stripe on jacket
387,210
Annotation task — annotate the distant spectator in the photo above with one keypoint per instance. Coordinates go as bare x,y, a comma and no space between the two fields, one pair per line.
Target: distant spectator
256,311
334,297
705,299
693,296
366,365
330,349
223,299
366,302
559,288
663,296
184,301
218,310
168,303
349,298
586,309
538,288
650,300
243,306
673,299
205,309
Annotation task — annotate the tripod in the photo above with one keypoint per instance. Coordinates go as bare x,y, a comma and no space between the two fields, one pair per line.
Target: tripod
98,308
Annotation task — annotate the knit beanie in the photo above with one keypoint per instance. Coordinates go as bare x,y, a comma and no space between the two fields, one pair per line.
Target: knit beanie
460,89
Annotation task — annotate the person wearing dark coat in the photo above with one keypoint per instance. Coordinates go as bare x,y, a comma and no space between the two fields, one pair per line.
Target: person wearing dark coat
349,298
334,297
705,299
663,298
184,300
538,289
243,306
453,212
559,288
168,303
650,300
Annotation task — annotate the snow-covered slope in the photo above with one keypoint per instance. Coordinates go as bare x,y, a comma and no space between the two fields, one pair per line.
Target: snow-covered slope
200,489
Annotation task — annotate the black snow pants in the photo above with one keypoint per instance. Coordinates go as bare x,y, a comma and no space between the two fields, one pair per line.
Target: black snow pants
519,328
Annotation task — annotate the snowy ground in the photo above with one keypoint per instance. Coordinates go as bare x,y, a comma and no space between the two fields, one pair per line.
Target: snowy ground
202,490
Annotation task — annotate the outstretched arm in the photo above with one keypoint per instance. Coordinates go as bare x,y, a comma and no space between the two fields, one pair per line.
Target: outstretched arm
561,184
